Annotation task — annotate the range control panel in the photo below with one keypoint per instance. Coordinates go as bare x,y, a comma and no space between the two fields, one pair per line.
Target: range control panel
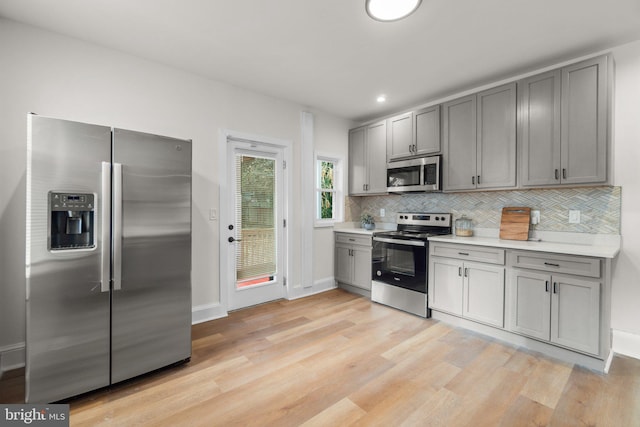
425,219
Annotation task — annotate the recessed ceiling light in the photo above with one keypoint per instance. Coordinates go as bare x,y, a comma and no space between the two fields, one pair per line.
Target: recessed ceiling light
391,10
381,98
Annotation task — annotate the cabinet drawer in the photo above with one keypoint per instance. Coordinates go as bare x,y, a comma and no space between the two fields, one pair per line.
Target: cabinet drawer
353,239
471,253
580,266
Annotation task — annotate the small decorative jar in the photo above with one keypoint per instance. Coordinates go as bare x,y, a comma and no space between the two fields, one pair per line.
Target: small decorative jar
464,227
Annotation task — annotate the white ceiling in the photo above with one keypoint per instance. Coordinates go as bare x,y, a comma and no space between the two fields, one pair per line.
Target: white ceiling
329,55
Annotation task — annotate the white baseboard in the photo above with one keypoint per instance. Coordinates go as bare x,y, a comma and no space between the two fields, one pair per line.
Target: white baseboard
319,286
626,343
12,357
204,313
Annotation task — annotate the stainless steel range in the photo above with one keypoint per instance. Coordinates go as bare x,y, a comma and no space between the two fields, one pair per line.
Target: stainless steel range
399,261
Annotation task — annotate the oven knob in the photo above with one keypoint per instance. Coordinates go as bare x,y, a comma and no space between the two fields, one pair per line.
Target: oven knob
437,218
379,273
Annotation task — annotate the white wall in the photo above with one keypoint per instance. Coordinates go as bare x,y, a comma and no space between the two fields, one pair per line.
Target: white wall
626,278
57,76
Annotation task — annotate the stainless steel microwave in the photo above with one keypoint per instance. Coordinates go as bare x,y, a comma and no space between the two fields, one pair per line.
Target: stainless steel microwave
421,174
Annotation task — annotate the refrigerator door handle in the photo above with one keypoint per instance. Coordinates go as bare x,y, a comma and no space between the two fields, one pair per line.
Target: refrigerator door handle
106,227
117,226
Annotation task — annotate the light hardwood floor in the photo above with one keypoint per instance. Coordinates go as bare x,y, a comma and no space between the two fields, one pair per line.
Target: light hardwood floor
336,359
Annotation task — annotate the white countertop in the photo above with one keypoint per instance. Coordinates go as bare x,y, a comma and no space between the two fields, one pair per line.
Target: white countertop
595,245
355,228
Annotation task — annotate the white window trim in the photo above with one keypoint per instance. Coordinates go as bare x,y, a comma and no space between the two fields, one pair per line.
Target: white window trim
338,199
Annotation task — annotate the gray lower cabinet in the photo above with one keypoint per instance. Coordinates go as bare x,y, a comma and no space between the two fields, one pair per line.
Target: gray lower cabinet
470,289
556,298
561,309
479,140
564,125
367,159
353,260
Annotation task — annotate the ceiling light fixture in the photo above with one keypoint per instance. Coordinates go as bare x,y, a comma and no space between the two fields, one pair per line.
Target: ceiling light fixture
381,98
391,10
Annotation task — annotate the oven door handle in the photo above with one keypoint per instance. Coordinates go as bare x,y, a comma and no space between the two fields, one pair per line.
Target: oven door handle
400,242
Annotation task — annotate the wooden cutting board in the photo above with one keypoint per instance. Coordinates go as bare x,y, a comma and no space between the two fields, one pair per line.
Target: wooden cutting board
514,224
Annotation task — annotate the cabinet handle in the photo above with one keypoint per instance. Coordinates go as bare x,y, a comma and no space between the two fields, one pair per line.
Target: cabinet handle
478,179
555,287
459,271
556,174
463,253
564,173
551,264
466,272
473,180
415,149
352,240
546,286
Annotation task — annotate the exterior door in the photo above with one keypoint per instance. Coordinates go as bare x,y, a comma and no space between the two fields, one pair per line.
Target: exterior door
151,297
255,233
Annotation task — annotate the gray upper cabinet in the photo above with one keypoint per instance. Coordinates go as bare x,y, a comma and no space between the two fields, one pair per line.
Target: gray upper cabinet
459,137
479,134
564,125
367,159
540,129
414,134
497,137
584,122
400,141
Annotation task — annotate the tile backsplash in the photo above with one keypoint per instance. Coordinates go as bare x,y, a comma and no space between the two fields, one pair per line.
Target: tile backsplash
599,207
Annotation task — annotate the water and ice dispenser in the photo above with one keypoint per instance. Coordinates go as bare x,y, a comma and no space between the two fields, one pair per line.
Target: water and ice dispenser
72,221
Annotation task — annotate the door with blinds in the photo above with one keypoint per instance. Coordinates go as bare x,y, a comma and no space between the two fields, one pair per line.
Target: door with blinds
256,233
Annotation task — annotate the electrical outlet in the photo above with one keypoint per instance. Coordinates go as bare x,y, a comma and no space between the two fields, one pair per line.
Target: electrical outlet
574,217
382,212
535,217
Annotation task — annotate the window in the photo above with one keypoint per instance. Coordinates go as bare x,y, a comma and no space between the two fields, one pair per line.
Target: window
328,195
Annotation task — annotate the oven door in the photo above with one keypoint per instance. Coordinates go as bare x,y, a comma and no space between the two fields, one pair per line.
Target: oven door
401,263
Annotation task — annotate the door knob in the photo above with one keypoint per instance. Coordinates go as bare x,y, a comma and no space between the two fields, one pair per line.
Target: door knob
232,239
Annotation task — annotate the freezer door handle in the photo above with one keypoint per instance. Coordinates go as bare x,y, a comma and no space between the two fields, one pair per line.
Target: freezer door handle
117,226
106,227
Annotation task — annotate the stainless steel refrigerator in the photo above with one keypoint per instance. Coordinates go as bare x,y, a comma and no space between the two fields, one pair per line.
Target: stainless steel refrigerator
108,256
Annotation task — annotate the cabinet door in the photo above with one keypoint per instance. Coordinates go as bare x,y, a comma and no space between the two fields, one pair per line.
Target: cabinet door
400,142
427,130
459,137
483,297
584,122
377,157
357,161
496,158
575,313
530,302
361,267
343,264
445,285
540,129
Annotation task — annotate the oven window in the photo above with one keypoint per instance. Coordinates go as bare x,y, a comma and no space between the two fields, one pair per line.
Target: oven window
401,177
400,265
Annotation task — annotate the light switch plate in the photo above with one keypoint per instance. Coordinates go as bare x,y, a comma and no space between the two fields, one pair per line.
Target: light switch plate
213,214
382,212
574,217
535,217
